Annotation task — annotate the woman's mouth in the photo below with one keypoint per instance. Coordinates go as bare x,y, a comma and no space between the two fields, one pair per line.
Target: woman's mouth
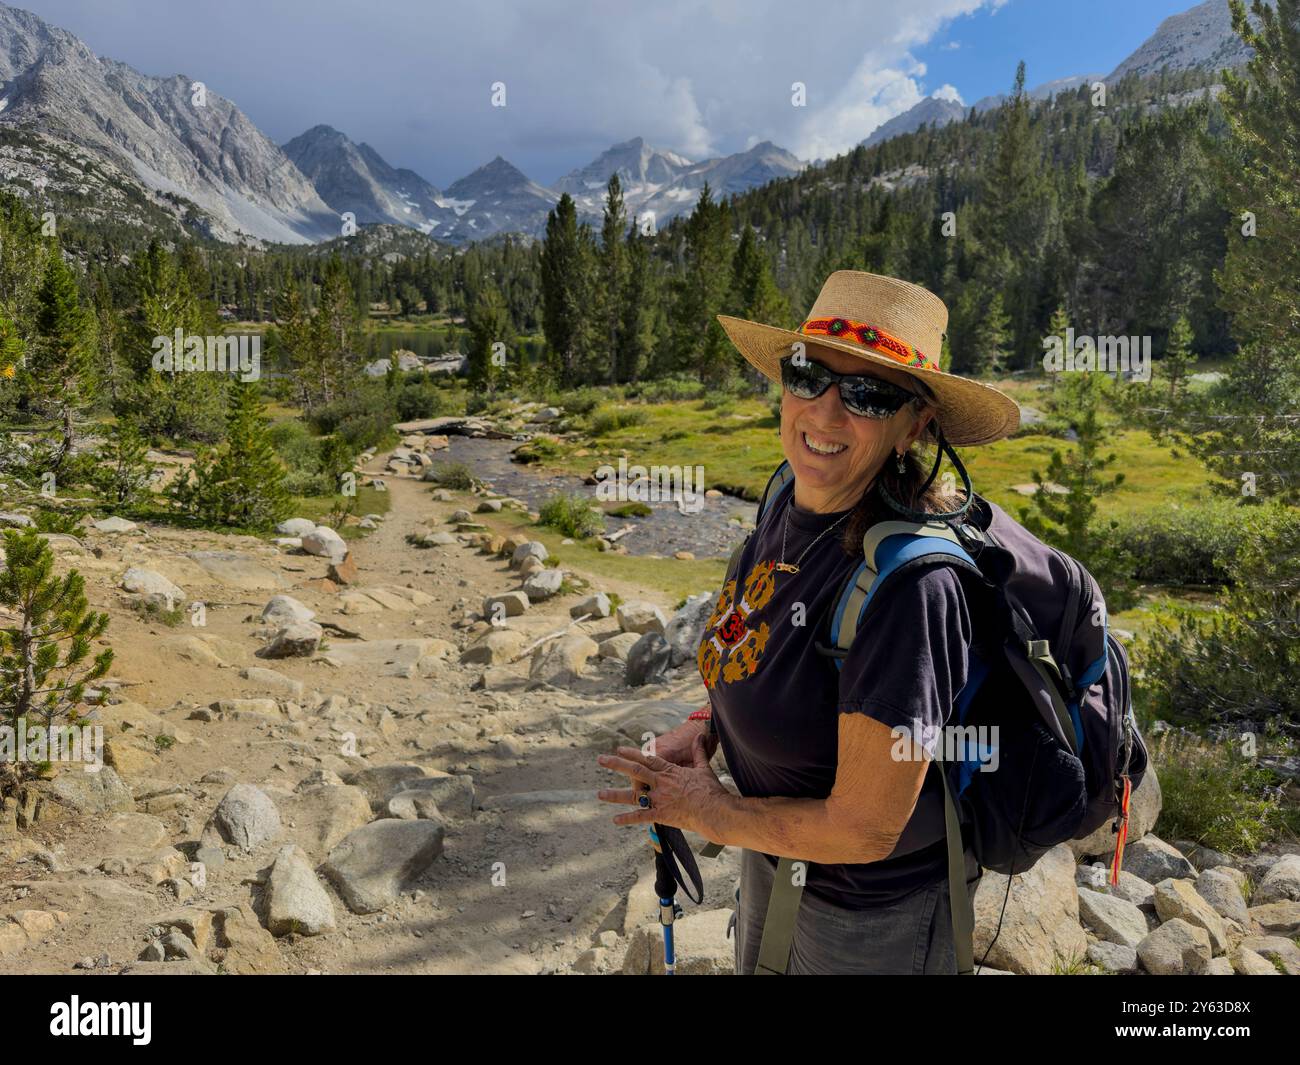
822,447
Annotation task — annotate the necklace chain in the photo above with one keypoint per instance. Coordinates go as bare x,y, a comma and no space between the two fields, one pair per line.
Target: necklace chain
785,530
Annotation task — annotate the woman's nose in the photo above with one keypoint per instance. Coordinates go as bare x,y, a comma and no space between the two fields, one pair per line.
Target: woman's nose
830,408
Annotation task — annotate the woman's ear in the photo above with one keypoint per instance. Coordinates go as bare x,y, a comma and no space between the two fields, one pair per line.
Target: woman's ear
919,421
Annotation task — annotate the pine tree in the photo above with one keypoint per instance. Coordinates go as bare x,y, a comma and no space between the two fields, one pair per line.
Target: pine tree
296,344
123,477
1258,428
565,282
63,355
335,355
241,483
489,324
1068,520
613,275
993,340
701,293
45,654
1179,357
636,328
177,404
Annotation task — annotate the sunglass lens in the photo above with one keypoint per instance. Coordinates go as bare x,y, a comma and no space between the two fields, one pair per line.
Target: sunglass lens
805,379
871,399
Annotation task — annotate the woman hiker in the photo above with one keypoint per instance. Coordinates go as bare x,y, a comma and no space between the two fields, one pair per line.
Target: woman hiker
815,751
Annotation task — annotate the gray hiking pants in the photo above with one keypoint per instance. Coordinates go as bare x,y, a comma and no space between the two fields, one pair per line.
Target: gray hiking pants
912,936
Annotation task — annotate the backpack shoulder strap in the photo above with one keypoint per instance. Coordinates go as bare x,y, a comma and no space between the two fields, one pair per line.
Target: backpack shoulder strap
781,479
886,548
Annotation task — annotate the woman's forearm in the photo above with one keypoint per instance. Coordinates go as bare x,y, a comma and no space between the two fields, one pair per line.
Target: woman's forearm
811,829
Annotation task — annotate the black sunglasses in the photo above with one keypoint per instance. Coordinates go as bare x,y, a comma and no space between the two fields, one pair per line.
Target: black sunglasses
863,395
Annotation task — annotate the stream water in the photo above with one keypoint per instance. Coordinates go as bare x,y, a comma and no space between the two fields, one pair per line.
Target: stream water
707,533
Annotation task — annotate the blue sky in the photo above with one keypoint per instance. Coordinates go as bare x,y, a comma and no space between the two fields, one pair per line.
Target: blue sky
1057,38
702,77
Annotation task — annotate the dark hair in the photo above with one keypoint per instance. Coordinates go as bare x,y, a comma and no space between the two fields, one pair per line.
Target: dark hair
905,487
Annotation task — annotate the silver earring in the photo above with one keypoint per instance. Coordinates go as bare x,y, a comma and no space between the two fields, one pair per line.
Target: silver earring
899,463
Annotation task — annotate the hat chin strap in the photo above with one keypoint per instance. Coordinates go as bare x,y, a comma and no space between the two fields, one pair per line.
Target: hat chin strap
922,516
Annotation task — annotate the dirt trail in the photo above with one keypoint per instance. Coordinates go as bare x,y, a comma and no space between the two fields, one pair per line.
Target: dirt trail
521,886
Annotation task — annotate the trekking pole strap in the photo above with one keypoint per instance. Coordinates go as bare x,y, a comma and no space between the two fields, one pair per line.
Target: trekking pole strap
778,925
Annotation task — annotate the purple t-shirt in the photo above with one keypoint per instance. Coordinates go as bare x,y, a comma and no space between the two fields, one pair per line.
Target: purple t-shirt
777,701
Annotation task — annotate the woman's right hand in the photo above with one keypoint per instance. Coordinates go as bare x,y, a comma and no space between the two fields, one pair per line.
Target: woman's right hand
677,746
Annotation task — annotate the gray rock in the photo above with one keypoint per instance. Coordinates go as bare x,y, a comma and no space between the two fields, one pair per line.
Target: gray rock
114,524
1040,928
284,610
1280,883
532,549
325,543
430,538
543,584
451,793
1111,918
1113,957
1247,962
380,783
298,527
640,617
15,520
509,605
1154,860
685,629
374,864
236,570
272,681
495,648
295,899
1281,918
619,647
1278,950
647,661
1174,949
594,606
246,817
102,792
1177,899
561,661
299,640
1134,889
152,586
1223,893
414,805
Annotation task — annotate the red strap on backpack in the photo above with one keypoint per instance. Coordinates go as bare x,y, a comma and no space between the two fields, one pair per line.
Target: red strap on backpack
1122,835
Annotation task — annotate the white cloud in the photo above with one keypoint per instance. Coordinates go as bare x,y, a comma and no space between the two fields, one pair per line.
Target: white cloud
413,79
948,92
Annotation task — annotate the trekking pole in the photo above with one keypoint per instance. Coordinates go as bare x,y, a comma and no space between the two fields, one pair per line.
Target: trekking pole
671,847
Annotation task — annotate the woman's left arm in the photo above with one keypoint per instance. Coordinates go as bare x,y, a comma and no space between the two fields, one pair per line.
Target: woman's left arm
876,787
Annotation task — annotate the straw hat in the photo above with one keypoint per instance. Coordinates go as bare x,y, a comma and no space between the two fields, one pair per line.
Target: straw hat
891,323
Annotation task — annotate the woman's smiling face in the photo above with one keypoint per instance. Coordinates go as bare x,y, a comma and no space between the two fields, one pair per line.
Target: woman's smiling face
835,454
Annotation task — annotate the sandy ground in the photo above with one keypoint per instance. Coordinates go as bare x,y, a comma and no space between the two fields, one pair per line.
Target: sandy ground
522,888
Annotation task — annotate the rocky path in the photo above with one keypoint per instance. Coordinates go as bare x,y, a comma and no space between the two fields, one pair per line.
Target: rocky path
501,859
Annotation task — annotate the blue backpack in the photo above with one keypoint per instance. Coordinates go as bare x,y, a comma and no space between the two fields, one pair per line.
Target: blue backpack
1069,753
